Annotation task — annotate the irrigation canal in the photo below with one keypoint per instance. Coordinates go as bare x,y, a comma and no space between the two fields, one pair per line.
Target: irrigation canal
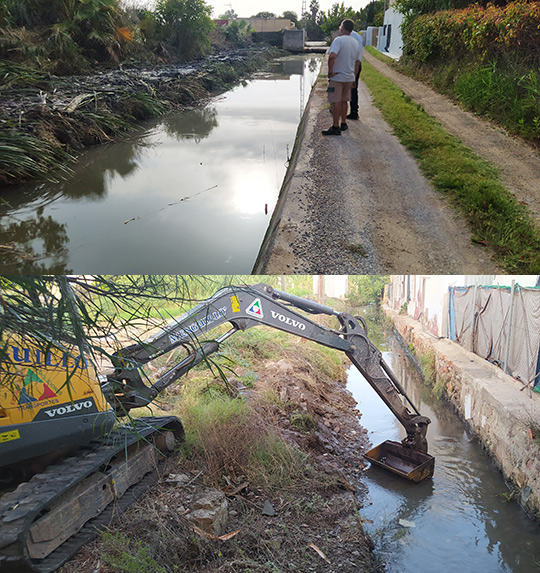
192,192
460,521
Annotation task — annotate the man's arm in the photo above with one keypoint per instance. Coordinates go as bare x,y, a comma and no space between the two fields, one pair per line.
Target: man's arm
331,61
356,67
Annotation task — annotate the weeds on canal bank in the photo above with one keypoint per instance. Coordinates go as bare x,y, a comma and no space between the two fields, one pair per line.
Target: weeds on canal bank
46,119
289,498
496,218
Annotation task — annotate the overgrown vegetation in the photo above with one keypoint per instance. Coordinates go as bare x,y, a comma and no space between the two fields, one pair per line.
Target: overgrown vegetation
495,216
486,57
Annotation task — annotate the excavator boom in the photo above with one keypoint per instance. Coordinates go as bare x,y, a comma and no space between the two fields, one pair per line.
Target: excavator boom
244,307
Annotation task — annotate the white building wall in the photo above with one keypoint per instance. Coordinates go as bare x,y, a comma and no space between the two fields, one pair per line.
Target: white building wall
392,46
335,286
426,296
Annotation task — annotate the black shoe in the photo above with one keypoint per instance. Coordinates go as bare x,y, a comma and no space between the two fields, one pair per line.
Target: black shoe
344,127
353,116
332,131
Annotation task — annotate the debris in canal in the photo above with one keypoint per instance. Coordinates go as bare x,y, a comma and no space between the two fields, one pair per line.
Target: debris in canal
44,127
171,204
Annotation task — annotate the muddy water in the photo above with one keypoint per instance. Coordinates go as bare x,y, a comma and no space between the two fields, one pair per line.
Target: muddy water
192,193
460,521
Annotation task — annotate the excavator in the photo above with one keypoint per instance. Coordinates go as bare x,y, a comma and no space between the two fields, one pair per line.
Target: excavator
69,465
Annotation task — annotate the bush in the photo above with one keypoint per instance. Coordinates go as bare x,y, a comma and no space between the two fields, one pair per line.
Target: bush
487,58
186,24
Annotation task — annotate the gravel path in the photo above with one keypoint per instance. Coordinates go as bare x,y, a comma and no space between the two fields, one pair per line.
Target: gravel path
359,204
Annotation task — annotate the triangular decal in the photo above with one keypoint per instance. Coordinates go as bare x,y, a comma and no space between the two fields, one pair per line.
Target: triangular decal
31,377
255,308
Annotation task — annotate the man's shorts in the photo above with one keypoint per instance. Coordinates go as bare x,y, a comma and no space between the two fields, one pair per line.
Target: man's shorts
339,91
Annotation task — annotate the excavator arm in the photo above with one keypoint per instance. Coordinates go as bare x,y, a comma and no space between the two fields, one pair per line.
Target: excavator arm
244,307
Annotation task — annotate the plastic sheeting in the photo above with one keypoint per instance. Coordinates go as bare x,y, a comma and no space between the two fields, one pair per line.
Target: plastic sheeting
500,326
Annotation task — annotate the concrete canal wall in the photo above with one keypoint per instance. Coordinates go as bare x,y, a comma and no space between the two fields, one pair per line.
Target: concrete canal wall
505,418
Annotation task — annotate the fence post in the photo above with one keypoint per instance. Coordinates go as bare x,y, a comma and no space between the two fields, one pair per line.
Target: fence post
471,344
509,335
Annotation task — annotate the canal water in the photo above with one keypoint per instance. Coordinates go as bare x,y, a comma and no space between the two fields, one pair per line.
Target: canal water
192,192
461,520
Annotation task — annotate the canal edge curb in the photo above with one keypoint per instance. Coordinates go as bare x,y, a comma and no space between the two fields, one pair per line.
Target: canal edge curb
491,405
275,251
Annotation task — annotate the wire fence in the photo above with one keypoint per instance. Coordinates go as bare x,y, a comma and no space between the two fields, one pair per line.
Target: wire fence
500,324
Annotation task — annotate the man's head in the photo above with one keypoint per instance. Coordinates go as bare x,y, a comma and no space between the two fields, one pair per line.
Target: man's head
347,26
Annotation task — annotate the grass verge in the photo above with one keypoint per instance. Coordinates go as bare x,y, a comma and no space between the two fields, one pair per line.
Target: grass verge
497,219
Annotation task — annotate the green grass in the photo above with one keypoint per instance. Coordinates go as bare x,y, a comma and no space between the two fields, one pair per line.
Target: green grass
496,218
128,556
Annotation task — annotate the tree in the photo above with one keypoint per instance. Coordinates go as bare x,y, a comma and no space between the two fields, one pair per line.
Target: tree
186,24
332,19
366,289
264,15
291,16
229,15
370,14
311,22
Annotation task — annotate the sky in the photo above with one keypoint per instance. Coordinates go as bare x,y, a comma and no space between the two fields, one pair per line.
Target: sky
247,8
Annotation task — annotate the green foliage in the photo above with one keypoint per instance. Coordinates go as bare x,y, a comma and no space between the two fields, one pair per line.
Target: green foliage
292,16
24,156
332,19
186,24
238,33
495,216
485,57
413,8
366,289
257,343
311,22
79,312
128,556
475,32
277,464
264,15
371,15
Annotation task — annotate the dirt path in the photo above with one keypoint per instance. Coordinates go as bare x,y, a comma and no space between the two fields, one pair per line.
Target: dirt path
359,204
518,162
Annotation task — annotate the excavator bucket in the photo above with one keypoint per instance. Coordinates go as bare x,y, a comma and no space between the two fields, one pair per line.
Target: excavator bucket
410,464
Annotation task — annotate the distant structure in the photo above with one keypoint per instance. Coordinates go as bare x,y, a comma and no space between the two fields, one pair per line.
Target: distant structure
389,40
280,32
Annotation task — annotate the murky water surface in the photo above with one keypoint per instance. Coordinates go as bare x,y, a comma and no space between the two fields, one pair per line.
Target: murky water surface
193,193
460,521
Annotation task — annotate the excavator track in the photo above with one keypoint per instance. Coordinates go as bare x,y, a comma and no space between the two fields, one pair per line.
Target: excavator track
46,520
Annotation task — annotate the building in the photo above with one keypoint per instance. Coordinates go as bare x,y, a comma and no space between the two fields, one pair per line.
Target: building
495,316
389,40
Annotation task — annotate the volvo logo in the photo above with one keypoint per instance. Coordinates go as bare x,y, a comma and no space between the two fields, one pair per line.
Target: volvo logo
69,408
288,320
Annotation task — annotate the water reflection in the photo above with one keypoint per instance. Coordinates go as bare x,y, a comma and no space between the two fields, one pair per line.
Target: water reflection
196,125
192,193
459,520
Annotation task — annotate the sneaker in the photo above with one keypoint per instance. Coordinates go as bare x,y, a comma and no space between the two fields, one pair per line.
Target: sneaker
332,131
344,127
353,116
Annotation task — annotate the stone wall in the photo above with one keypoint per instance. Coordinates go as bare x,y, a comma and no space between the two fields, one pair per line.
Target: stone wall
493,405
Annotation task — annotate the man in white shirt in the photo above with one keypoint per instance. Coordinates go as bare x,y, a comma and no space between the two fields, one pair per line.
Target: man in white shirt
361,39
343,64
